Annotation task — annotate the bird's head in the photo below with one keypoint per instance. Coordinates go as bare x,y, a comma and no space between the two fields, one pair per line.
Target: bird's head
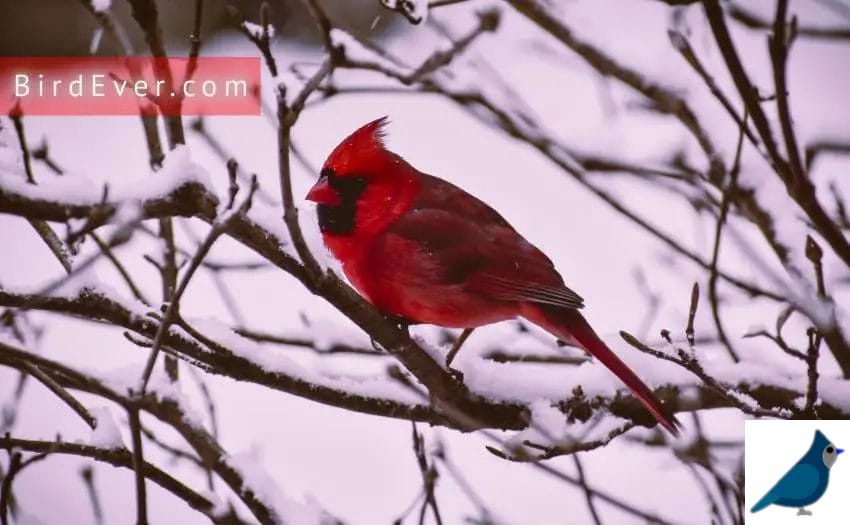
362,186
826,449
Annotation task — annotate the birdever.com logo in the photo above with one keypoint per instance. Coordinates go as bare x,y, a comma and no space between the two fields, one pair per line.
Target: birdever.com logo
797,472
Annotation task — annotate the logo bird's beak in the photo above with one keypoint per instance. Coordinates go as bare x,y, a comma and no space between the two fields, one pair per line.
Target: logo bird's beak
322,193
838,451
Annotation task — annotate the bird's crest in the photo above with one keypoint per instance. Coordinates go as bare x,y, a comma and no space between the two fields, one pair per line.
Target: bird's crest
358,148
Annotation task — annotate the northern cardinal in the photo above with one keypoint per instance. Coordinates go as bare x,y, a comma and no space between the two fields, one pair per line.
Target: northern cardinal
420,248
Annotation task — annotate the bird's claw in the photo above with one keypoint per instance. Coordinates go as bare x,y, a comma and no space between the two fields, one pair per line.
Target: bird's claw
455,373
401,322
803,512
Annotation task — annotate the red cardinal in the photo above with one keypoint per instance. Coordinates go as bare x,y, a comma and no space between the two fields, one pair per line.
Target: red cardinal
420,248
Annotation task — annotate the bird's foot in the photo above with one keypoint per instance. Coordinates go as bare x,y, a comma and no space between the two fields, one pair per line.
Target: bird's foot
455,373
401,322
803,512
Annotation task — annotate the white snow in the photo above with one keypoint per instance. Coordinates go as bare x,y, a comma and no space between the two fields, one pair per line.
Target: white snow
274,361
530,382
271,220
80,283
256,30
416,10
549,428
356,51
126,379
219,507
106,433
835,392
327,333
167,390
177,170
101,5
265,488
96,37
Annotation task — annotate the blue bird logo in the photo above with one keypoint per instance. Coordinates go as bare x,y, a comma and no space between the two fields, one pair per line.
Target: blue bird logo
807,480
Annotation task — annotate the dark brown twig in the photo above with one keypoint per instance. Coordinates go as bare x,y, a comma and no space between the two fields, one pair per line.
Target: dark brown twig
833,146
683,46
779,45
194,41
217,230
728,192
57,248
752,21
798,186
125,275
6,486
588,494
60,392
138,466
118,458
663,99
691,364
263,40
87,474
692,313
429,475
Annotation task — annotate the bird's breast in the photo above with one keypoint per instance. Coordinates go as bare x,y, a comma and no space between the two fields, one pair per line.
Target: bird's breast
352,251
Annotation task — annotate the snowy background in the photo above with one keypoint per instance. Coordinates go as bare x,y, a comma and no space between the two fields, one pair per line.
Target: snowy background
361,468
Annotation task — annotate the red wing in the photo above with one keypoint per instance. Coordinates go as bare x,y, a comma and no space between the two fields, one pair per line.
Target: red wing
508,289
438,194
487,256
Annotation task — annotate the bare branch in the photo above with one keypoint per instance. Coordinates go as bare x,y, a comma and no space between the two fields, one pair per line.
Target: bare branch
752,21
117,457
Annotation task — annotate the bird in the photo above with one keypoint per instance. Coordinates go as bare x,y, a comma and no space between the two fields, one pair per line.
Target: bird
423,250
806,481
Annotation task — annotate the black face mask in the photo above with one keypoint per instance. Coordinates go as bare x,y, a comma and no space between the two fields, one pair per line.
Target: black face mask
338,219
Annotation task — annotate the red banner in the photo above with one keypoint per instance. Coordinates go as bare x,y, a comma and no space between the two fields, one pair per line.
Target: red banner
128,85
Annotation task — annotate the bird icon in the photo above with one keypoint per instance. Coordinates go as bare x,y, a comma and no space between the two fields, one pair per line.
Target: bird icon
806,481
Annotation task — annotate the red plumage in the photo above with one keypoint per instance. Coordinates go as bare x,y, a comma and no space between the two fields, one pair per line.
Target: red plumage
420,248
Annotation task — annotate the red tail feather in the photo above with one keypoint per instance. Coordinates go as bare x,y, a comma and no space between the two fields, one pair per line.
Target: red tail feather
571,327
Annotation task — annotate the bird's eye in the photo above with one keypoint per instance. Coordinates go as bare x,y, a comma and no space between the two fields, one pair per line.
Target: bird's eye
348,187
329,174
830,449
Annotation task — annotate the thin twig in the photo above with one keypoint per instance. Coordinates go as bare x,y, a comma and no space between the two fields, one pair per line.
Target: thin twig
728,192
57,248
87,474
799,187
194,42
218,229
689,363
118,457
779,45
6,486
692,313
138,466
754,22
588,494
683,46
61,393
125,275
429,477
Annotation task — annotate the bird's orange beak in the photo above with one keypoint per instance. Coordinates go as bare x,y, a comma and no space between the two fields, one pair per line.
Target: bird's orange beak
322,193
